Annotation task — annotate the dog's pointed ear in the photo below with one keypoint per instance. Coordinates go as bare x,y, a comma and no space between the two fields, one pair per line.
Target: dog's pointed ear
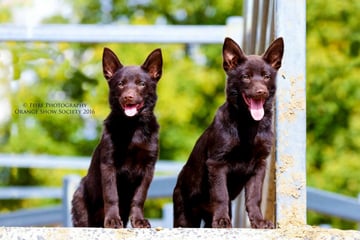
110,63
273,55
153,64
232,54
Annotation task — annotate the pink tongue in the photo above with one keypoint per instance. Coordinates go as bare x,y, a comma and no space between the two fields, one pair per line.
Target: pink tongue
256,109
130,111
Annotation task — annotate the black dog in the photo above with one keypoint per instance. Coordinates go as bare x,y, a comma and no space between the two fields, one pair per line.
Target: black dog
231,153
122,165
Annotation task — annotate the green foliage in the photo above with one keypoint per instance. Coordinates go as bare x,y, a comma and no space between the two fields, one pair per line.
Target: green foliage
189,92
333,95
68,80
147,12
42,73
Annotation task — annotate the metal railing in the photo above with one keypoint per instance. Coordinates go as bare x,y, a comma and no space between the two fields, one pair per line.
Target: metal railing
92,33
161,187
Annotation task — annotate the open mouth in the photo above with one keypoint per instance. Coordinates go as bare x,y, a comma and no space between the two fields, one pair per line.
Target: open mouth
256,107
131,110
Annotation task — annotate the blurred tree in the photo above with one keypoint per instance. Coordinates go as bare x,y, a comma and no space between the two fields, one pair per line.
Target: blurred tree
333,94
189,92
185,87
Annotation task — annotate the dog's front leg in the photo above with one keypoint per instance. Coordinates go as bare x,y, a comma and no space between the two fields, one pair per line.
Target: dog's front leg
253,195
110,196
108,182
137,204
219,197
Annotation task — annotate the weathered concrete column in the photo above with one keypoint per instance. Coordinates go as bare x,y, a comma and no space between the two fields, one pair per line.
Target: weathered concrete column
290,23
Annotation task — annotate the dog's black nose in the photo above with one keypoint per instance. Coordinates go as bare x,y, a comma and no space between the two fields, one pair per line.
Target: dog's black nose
261,92
129,95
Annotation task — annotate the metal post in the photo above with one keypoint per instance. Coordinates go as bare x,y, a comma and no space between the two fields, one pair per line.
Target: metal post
70,184
250,14
290,23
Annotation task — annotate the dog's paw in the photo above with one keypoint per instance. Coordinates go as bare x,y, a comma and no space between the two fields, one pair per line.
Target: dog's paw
113,222
221,223
262,224
140,223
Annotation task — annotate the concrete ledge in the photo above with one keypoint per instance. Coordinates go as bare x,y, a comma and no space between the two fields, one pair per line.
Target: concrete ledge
303,232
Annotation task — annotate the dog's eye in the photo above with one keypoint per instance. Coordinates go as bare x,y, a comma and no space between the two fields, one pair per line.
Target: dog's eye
121,84
266,77
139,82
245,78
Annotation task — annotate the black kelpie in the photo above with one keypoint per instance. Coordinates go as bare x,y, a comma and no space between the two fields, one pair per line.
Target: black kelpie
122,165
231,153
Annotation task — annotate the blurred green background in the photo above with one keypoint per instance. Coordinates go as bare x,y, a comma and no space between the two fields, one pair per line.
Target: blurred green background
189,91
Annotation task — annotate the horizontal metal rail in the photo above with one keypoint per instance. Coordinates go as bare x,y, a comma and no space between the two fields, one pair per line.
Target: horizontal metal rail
319,201
27,192
91,33
161,186
43,161
69,162
44,216
333,204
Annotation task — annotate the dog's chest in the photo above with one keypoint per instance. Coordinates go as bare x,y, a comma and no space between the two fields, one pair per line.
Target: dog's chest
247,153
127,140
133,151
131,154
242,168
131,162
130,171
